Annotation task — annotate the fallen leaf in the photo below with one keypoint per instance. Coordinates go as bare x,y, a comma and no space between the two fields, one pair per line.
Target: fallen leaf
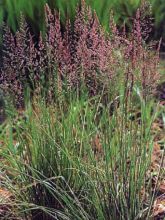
159,207
162,187
4,195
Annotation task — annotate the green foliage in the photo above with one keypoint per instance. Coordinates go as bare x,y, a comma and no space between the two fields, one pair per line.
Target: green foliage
123,10
10,10
159,16
34,9
73,160
159,10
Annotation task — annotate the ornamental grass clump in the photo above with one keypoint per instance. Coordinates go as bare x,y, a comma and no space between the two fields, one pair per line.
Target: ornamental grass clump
78,152
76,54
61,162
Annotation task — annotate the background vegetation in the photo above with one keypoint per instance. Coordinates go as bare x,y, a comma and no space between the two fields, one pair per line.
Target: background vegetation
10,10
123,10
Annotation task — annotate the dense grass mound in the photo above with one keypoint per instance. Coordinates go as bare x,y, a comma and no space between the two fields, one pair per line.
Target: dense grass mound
80,144
73,160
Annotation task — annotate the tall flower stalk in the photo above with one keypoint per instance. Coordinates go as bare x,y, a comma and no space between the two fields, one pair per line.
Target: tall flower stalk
82,52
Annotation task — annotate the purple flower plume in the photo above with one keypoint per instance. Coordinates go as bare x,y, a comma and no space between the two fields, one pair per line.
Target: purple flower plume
84,51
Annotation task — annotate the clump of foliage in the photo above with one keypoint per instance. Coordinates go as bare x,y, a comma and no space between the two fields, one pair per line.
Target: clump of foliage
79,151
69,161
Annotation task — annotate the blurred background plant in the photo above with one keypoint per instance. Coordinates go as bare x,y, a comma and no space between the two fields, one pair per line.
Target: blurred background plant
10,10
158,7
33,10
